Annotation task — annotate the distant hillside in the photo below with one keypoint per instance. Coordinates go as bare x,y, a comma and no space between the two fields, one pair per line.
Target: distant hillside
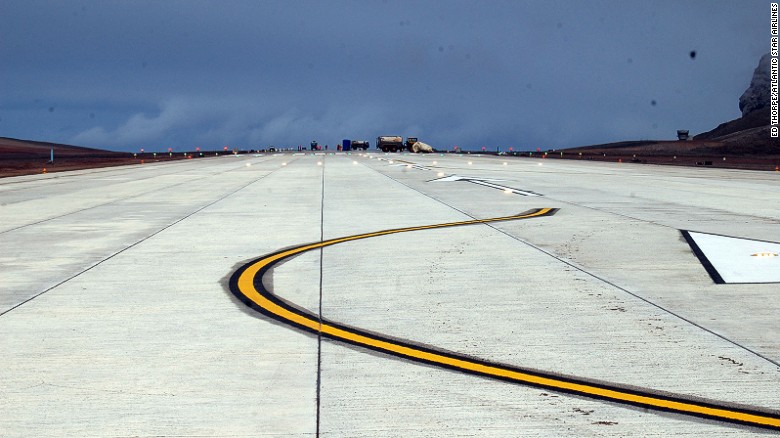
25,157
12,148
648,148
749,134
746,136
756,119
617,145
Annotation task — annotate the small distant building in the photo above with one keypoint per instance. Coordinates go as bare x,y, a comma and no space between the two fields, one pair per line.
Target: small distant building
682,134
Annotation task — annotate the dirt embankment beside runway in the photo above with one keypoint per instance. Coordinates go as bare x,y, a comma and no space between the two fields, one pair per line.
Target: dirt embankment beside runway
743,143
674,153
24,157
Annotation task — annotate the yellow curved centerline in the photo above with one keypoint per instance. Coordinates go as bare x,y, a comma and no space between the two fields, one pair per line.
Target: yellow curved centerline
245,285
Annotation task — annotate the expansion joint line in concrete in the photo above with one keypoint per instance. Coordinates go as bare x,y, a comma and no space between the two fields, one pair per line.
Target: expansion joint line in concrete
247,285
593,275
319,311
122,199
138,242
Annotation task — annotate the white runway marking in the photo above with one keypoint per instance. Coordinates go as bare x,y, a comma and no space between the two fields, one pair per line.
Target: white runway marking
738,260
487,182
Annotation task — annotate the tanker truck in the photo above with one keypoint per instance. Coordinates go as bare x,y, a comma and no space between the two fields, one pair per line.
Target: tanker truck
396,144
390,143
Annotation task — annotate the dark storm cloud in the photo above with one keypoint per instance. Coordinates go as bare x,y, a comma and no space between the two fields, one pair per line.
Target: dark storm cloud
126,75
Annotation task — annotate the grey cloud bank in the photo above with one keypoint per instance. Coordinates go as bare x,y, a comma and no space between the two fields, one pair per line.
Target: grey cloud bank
127,75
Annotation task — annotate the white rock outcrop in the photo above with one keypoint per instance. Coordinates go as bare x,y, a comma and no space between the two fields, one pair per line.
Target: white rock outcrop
757,94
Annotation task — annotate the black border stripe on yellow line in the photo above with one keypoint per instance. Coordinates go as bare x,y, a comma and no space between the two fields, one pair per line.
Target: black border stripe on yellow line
247,285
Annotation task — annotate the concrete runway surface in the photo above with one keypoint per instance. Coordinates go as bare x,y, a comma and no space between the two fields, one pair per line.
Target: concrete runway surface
117,316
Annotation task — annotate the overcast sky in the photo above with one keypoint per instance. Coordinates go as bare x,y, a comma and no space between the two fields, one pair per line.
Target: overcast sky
124,75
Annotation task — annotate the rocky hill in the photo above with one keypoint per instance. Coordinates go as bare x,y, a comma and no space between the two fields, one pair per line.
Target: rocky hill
756,96
749,134
744,142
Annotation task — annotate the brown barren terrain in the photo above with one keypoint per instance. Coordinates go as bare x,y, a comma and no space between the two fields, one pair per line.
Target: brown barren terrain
673,153
23,157
743,143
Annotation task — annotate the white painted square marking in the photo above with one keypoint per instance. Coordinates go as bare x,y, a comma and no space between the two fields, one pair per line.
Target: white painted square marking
738,260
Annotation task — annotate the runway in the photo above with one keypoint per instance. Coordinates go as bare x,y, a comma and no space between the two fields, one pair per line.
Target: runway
117,316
